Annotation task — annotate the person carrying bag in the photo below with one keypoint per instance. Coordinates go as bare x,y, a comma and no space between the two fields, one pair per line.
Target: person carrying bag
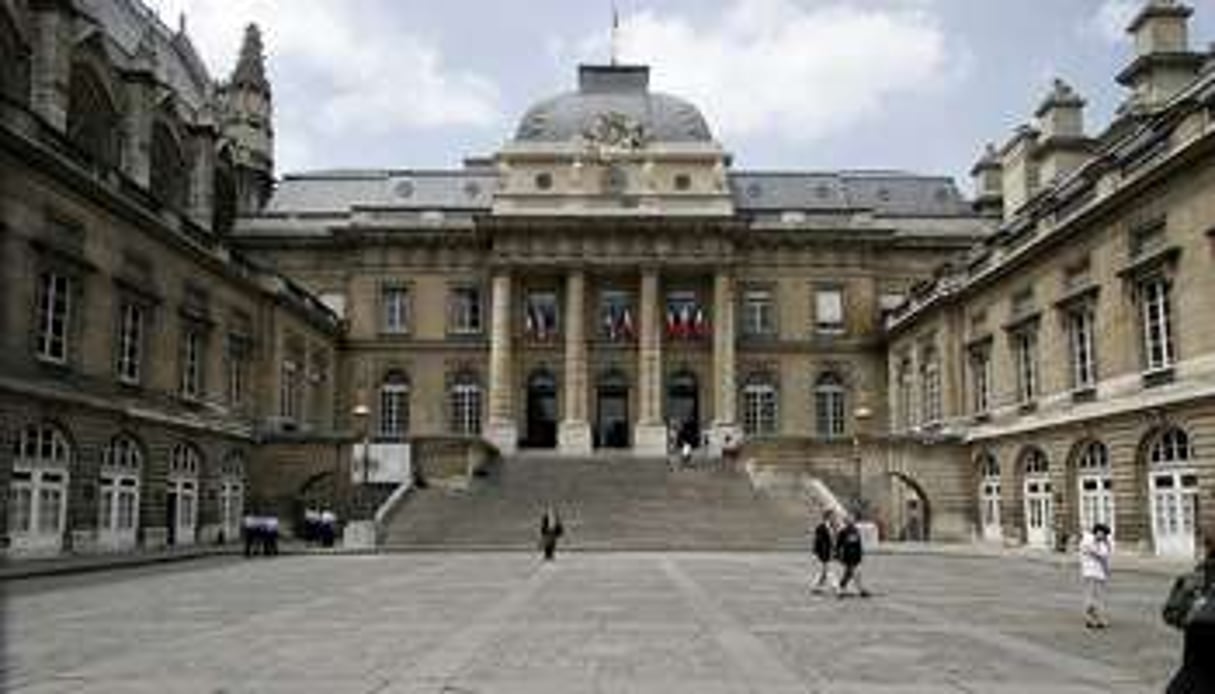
1191,608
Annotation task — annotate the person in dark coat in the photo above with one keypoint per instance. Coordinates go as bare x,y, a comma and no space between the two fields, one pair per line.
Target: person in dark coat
850,551
1191,607
824,550
550,530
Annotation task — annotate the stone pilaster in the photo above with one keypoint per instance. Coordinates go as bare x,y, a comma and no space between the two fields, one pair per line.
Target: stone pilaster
574,434
650,434
503,431
725,427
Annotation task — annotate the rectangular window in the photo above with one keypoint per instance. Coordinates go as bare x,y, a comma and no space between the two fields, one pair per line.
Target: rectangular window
829,412
191,362
905,395
1157,324
394,410
289,390
686,319
759,313
980,374
1025,362
394,304
236,367
466,409
759,410
130,343
540,313
829,311
464,317
616,315
54,312
1080,341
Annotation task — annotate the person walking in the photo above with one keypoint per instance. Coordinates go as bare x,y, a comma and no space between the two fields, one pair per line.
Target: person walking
824,550
550,530
1095,573
851,552
1191,608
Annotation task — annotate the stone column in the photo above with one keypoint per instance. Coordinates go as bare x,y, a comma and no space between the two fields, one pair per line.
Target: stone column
502,429
574,434
724,388
650,433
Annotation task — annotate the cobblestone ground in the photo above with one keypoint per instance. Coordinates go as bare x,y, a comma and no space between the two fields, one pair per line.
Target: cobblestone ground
474,623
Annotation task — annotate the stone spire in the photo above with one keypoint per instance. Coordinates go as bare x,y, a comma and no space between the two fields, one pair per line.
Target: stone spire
250,70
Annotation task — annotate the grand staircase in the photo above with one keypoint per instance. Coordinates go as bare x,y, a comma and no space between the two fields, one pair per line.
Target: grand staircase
606,502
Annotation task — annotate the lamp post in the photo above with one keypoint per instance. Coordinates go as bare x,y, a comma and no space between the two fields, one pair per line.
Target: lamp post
860,415
361,415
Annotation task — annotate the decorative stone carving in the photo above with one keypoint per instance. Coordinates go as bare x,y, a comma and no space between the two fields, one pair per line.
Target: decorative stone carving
614,134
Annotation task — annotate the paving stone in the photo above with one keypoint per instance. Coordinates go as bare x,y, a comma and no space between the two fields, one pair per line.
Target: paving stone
662,623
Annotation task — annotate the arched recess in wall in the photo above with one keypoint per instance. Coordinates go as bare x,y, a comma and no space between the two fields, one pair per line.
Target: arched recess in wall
223,208
94,114
14,58
170,167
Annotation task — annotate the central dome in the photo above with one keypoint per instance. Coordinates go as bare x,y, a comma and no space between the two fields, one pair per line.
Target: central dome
613,90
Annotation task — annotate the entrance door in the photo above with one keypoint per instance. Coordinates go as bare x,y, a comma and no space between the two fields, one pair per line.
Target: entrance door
1173,496
683,406
541,410
612,418
1039,511
171,516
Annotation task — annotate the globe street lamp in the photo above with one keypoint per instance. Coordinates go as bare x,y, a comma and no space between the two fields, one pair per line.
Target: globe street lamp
361,415
860,415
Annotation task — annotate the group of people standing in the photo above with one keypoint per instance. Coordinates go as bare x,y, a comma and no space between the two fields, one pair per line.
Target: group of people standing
837,538
261,535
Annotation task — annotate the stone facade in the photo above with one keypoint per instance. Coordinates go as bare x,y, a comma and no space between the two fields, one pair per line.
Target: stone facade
1069,355
176,322
145,365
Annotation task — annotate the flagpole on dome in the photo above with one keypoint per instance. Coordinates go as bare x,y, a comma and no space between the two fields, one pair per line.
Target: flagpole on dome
615,32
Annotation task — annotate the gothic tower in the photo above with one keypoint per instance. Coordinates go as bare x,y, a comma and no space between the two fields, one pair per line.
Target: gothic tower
248,127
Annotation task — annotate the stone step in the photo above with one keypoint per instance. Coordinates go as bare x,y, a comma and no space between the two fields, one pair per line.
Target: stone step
606,502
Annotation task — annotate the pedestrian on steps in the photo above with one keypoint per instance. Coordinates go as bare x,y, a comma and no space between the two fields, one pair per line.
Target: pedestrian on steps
824,550
1095,572
851,552
550,530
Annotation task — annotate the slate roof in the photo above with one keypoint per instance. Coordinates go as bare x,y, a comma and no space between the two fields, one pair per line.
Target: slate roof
883,193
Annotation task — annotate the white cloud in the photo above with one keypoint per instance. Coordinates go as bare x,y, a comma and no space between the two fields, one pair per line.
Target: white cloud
1110,20
364,76
793,69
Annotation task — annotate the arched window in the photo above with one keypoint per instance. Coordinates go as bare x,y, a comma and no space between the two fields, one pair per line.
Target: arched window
37,497
1171,446
231,494
1173,485
990,496
760,406
394,406
182,494
170,178
119,485
1036,462
1039,501
829,406
1095,488
465,400
93,122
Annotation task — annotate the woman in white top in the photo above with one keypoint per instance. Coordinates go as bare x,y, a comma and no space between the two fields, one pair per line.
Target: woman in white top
1095,572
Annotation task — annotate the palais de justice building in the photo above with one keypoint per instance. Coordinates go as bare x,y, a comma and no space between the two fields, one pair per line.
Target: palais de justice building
185,336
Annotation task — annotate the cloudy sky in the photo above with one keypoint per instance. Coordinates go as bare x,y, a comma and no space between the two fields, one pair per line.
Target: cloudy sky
918,85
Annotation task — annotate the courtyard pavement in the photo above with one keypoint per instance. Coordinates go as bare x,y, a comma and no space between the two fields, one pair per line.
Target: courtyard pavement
506,623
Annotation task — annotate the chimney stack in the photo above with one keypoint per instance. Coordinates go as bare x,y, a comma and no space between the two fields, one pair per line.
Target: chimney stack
1062,145
1164,63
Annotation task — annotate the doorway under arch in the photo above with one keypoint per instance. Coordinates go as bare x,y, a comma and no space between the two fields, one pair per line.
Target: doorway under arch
612,411
541,410
683,406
